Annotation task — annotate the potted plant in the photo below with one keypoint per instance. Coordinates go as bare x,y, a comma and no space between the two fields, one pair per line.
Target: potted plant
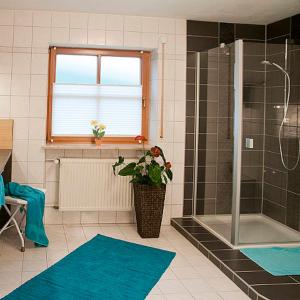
150,175
98,131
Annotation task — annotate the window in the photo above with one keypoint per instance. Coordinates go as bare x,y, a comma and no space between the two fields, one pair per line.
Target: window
97,84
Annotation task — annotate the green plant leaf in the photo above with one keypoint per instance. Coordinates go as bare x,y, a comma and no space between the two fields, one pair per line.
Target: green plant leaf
169,174
118,163
128,170
165,178
162,154
138,178
154,163
142,159
148,153
147,170
155,174
138,169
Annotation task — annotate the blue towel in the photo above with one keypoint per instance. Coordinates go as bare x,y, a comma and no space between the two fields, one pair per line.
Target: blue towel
34,230
2,192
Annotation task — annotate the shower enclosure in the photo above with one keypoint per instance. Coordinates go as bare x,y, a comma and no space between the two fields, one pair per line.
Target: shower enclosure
241,191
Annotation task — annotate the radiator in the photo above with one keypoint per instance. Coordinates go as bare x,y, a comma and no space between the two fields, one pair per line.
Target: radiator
90,185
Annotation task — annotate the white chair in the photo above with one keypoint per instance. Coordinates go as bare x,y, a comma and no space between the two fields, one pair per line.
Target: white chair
20,206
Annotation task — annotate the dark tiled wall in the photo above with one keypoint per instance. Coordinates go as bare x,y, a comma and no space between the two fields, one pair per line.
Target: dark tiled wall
216,111
281,192
253,126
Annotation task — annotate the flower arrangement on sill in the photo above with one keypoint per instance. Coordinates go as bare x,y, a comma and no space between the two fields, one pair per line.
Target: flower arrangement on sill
98,130
149,176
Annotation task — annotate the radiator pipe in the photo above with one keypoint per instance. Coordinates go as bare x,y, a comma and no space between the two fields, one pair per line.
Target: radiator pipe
55,160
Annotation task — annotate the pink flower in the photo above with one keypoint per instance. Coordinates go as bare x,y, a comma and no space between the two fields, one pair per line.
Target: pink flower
168,165
155,151
140,139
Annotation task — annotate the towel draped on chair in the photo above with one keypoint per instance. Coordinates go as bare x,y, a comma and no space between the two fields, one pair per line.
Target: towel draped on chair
34,229
2,191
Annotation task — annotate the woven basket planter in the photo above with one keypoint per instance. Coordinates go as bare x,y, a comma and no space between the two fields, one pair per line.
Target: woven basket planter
149,206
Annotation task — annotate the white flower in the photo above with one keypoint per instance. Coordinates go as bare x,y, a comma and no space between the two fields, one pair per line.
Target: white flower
94,123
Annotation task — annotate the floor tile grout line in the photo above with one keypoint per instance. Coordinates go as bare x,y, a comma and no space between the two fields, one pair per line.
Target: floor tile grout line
234,273
184,285
280,283
210,252
66,240
177,242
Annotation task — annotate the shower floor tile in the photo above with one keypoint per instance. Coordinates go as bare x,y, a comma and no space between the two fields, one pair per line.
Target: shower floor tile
263,277
247,275
279,291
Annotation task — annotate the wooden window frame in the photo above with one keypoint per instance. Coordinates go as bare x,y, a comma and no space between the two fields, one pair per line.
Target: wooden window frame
145,79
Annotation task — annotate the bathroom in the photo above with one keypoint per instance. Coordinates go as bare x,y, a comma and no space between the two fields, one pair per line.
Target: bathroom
215,85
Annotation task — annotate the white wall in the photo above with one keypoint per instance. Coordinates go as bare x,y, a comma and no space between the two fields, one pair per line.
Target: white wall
24,40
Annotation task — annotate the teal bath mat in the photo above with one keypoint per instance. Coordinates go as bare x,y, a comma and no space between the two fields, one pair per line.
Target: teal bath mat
103,268
276,260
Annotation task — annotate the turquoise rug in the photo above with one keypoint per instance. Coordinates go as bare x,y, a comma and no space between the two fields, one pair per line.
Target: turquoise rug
103,268
276,260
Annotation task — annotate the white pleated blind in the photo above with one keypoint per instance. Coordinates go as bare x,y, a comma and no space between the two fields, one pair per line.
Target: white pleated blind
119,107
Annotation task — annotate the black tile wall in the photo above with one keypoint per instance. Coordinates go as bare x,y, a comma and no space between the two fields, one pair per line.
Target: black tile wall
201,43
266,184
227,33
295,28
202,28
278,28
281,189
292,210
253,127
216,112
250,32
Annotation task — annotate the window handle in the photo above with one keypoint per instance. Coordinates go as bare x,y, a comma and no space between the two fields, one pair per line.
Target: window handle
144,101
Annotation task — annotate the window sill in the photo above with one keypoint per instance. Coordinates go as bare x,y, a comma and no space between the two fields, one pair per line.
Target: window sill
94,147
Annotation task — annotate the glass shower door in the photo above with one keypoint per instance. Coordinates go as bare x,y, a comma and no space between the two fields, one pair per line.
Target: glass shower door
252,160
214,108
269,210
242,192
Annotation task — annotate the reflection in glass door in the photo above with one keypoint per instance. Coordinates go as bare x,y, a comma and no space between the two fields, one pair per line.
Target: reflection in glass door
214,158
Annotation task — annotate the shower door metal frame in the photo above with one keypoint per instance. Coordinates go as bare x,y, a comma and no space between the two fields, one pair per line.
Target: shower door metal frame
237,141
196,141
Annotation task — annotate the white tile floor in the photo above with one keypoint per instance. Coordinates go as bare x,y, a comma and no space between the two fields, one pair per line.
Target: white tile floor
190,276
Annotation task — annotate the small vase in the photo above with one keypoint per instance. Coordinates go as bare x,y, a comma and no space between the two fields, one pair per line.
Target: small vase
98,141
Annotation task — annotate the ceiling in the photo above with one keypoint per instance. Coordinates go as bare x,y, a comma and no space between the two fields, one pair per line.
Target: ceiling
239,11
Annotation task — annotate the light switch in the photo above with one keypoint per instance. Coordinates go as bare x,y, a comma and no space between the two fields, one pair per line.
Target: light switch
249,143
